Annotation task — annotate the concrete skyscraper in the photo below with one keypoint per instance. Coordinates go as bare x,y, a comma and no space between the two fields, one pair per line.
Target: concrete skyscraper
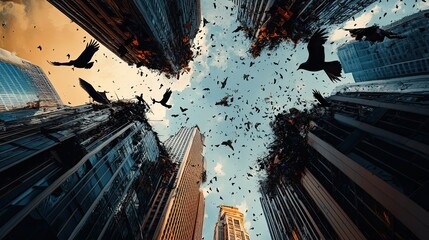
269,22
177,212
365,171
230,224
155,34
24,85
87,172
392,58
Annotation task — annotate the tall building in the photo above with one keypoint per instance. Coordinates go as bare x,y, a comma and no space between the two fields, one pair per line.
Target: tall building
367,171
269,22
391,58
24,85
155,34
177,211
87,172
230,224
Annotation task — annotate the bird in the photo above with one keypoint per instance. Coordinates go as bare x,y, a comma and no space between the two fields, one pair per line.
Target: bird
373,34
223,83
316,57
320,99
164,99
40,47
205,22
223,102
183,109
83,61
228,144
239,28
96,96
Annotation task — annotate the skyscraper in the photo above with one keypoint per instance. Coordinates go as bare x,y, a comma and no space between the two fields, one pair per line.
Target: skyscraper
23,84
155,34
178,210
79,173
391,58
269,22
230,224
365,172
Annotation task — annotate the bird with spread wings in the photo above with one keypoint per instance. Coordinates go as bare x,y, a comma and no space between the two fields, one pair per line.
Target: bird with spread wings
83,61
316,57
164,99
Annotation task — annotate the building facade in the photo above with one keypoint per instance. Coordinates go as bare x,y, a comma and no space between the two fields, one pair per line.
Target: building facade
177,211
269,22
367,173
87,172
155,34
230,224
391,58
24,85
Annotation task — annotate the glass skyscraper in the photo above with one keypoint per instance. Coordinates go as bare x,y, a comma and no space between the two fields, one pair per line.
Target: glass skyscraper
391,58
155,34
367,171
178,210
25,85
79,173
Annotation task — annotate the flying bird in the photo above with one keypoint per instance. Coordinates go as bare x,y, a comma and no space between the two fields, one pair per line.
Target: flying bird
83,61
40,47
373,34
183,109
164,99
228,144
205,22
223,102
316,57
318,96
96,96
223,83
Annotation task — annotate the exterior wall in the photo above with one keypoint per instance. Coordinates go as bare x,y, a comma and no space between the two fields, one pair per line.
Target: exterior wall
24,85
392,58
155,34
183,208
312,14
70,172
367,176
230,224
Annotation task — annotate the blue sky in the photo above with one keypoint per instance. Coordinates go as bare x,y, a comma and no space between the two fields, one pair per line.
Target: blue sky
224,56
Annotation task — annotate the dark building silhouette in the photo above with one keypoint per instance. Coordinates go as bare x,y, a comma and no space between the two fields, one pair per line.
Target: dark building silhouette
177,211
86,172
155,34
269,22
367,171
392,58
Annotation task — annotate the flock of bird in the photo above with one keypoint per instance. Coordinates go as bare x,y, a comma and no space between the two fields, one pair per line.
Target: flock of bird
233,101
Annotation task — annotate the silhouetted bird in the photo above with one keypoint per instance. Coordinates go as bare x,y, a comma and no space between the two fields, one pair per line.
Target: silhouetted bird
239,28
320,98
205,22
183,109
140,99
316,57
223,102
373,34
96,96
164,99
83,61
228,144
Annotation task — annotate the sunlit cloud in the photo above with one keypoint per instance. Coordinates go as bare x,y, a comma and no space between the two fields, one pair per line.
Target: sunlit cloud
218,169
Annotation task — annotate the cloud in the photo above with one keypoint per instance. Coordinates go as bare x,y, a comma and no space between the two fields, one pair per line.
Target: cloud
243,207
359,22
218,169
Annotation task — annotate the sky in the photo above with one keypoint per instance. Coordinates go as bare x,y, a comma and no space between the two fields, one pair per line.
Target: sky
273,85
